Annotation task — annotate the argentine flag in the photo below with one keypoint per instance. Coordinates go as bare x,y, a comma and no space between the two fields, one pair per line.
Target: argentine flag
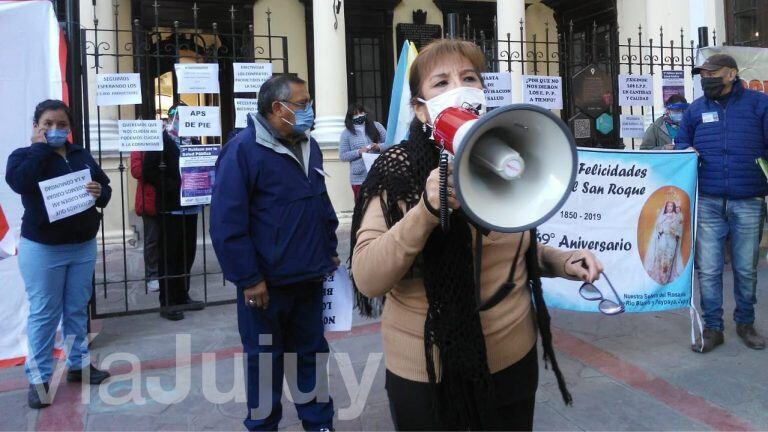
400,112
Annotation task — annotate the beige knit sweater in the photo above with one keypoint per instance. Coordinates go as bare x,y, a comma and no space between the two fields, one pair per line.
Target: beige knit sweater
382,257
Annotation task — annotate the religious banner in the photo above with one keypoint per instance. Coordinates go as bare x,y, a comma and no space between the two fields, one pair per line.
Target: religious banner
197,164
635,210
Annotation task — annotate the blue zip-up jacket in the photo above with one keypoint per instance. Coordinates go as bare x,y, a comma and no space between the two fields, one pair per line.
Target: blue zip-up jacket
729,137
271,219
28,166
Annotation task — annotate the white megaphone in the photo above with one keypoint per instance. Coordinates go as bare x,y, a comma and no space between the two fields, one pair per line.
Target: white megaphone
513,168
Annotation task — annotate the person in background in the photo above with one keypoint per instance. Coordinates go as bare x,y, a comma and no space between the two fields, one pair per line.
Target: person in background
273,228
146,208
728,128
362,135
178,225
56,259
661,134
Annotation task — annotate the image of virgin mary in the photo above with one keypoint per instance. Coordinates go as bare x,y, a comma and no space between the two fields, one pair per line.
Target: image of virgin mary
663,259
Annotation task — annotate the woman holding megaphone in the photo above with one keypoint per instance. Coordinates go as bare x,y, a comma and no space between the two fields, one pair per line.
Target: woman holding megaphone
450,364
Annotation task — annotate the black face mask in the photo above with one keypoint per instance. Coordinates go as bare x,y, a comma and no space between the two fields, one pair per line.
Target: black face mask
712,87
359,120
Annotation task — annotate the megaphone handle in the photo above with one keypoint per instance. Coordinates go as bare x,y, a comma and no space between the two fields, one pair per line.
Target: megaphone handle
445,222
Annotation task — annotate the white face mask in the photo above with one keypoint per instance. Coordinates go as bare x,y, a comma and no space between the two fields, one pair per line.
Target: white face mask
461,97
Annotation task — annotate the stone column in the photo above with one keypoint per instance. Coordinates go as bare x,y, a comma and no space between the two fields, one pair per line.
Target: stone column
330,71
509,13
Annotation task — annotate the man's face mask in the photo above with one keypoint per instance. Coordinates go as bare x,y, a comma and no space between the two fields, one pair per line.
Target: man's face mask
470,98
713,86
56,137
303,118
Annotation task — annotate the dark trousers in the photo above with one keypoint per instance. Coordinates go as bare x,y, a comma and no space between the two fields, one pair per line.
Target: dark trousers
177,246
287,339
151,246
410,402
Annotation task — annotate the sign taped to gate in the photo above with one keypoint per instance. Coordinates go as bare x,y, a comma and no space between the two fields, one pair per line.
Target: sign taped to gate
635,210
65,195
498,88
544,91
197,121
118,89
635,90
243,107
140,135
197,168
250,76
337,300
197,77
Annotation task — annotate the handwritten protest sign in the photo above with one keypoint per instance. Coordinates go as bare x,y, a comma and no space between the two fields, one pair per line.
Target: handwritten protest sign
65,196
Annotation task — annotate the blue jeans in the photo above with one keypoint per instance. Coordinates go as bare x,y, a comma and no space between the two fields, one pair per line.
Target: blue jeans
58,280
742,220
294,320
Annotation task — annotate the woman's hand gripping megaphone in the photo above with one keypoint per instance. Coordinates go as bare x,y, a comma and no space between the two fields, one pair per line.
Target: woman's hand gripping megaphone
432,189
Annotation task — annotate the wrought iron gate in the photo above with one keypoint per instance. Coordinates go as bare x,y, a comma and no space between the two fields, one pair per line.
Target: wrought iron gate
151,46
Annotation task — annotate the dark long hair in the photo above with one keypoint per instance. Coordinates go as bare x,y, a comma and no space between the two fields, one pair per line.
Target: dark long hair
53,105
370,126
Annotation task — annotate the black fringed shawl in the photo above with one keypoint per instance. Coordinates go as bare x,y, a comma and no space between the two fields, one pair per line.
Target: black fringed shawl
452,324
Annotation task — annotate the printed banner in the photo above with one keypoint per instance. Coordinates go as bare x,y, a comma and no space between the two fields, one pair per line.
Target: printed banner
197,121
337,301
197,166
118,89
197,77
498,88
250,76
635,90
672,82
544,91
140,135
243,107
65,195
635,211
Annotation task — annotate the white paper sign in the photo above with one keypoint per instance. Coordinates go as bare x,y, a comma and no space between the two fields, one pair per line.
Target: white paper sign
498,88
369,159
632,126
66,195
337,301
544,91
197,77
635,90
140,135
250,76
118,89
197,121
243,107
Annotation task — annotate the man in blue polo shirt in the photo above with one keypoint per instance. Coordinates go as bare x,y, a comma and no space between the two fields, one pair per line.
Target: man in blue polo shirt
728,128
274,231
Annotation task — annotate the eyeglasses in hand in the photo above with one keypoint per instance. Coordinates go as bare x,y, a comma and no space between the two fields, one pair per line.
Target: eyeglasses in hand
589,291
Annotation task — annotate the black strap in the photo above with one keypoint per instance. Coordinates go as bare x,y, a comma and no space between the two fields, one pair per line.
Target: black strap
505,288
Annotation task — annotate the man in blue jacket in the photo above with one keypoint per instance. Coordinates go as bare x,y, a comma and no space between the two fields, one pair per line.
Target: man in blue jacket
274,231
728,128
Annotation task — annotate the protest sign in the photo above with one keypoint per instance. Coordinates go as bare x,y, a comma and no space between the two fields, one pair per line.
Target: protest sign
498,88
635,210
243,107
140,135
544,91
65,195
197,166
672,82
632,126
635,90
199,121
250,76
118,89
197,77
337,301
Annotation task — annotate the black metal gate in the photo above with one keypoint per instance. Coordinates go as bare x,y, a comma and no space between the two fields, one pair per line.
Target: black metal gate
157,38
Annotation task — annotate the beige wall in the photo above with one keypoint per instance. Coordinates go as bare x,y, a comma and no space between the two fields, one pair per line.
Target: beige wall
287,20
